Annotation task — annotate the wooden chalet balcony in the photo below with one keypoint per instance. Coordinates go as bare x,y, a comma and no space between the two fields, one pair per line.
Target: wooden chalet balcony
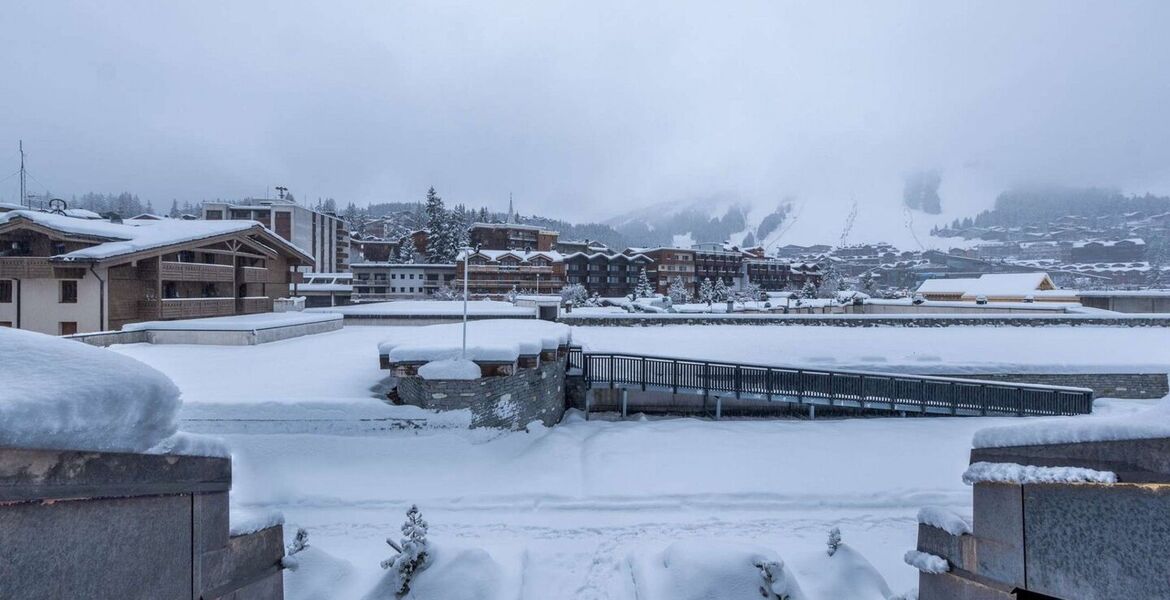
255,304
254,275
22,267
191,308
181,271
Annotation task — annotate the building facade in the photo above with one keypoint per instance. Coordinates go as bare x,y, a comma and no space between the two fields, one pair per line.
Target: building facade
607,275
62,275
668,263
379,282
494,273
323,236
511,236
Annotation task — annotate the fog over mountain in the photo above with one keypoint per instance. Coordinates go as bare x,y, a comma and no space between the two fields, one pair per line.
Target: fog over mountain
585,111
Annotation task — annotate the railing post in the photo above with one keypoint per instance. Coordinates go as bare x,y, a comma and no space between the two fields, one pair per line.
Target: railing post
983,399
831,387
738,380
1020,402
800,386
768,383
954,398
611,373
625,401
674,376
718,407
643,374
862,379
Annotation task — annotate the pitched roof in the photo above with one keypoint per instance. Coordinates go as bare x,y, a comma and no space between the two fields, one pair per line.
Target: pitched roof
117,239
989,284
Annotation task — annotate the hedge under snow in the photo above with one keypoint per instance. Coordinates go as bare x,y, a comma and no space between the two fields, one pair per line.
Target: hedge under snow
66,395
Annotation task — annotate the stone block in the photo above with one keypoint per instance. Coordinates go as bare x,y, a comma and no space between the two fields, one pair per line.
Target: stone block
999,532
1096,542
245,559
958,550
956,586
1135,461
113,548
210,520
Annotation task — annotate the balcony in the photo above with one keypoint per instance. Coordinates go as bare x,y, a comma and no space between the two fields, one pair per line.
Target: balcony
254,275
181,271
192,308
255,304
25,268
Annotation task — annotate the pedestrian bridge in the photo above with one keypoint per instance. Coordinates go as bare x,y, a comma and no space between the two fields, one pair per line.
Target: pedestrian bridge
895,393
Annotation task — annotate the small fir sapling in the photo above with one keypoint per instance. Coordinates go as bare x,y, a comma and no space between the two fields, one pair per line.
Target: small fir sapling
775,584
834,540
299,544
412,550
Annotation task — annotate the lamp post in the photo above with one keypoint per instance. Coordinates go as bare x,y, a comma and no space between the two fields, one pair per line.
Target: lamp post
466,268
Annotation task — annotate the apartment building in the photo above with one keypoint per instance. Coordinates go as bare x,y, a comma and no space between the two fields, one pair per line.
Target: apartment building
323,236
714,261
668,263
379,282
606,274
63,275
493,273
511,236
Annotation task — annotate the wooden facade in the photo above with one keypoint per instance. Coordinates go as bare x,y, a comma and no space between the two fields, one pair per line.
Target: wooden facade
226,273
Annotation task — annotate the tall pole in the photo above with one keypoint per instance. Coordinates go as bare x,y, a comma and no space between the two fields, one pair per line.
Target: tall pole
466,264
22,198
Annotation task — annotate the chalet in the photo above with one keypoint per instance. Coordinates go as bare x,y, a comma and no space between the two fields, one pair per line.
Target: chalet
64,275
493,273
996,287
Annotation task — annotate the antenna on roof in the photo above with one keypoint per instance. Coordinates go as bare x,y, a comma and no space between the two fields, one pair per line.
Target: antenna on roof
22,198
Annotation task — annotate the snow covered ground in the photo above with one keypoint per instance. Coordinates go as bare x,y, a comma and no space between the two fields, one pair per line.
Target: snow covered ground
576,511
943,350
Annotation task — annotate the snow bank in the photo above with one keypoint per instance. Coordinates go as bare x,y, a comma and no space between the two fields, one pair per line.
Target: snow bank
944,519
67,395
466,574
699,570
985,472
845,574
248,520
314,574
450,369
926,562
1152,423
498,340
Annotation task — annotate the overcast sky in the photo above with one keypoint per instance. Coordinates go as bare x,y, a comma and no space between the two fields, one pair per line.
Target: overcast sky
583,109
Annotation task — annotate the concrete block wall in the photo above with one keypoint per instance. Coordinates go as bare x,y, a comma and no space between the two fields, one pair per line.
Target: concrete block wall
508,402
116,526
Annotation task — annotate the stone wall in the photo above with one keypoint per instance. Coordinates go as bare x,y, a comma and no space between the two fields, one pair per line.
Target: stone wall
509,402
840,320
1092,541
113,525
1104,385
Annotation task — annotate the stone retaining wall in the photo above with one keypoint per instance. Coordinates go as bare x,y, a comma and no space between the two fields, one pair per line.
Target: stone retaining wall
839,320
211,337
510,402
112,525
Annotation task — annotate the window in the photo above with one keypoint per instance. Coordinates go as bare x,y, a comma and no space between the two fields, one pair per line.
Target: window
68,292
58,248
5,291
67,327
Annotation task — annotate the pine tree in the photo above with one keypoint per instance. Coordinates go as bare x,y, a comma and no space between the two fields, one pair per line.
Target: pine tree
405,253
809,290
643,289
834,540
439,241
706,291
869,283
174,210
574,295
720,293
678,292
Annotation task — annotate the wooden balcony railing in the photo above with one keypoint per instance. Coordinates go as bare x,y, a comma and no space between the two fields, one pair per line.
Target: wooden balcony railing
255,304
25,268
180,271
191,308
254,275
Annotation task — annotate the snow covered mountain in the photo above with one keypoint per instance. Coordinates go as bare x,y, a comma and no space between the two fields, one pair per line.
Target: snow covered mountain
786,221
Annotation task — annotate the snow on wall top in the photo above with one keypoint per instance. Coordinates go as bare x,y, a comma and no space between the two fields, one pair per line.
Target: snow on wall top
988,284
1151,423
987,472
125,239
944,519
62,394
236,322
431,308
502,340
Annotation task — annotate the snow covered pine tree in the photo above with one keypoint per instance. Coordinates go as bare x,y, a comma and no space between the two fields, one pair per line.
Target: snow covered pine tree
834,540
720,292
574,295
678,292
706,291
412,551
643,289
809,290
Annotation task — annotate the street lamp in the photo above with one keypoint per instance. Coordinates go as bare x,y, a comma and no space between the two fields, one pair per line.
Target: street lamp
467,250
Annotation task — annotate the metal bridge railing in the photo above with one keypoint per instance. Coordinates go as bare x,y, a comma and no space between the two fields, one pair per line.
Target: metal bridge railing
878,391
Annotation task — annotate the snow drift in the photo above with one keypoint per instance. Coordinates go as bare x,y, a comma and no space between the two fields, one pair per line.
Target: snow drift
699,570
464,574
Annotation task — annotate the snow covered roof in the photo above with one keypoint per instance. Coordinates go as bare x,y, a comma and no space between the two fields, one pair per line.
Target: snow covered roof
119,238
990,284
498,340
522,255
1111,243
81,213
